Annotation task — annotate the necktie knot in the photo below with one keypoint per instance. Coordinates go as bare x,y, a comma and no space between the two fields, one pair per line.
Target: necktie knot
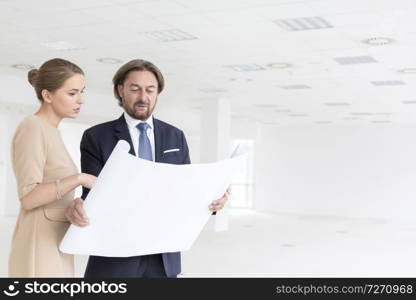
142,126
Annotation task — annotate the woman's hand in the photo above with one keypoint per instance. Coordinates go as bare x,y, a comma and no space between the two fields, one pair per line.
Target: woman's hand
75,213
87,180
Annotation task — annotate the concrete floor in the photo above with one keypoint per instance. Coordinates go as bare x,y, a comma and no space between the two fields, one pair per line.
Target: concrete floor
270,245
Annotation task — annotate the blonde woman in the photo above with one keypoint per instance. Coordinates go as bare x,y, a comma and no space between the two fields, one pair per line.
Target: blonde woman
45,173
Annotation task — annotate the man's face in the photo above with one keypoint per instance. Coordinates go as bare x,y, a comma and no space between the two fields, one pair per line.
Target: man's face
139,94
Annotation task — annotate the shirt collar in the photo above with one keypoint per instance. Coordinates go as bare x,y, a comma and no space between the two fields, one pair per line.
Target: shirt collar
132,123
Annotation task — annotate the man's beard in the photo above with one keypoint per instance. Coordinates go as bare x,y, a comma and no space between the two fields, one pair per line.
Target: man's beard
139,115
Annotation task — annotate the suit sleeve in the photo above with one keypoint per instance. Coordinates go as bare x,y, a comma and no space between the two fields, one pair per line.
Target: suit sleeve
91,161
187,159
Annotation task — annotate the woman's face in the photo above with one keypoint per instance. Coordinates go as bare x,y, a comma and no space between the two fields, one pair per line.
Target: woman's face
66,101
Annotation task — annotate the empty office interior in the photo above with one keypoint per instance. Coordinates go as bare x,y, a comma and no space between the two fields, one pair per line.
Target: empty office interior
322,91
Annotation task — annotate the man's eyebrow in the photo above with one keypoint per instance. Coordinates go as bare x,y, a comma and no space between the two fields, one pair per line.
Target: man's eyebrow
138,85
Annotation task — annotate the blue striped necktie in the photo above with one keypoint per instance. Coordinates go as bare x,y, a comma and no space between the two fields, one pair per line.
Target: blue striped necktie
145,149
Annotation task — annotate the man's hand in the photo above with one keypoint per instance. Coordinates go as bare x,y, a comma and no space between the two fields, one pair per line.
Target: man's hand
218,204
75,213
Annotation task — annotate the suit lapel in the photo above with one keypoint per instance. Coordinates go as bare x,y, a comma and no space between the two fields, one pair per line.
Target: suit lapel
158,140
122,133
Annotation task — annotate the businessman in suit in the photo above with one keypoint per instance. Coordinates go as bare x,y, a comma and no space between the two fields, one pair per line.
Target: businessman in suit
136,87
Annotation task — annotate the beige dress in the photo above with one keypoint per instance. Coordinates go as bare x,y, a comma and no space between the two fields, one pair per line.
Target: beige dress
39,156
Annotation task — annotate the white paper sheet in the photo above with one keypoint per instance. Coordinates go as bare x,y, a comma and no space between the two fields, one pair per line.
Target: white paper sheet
138,207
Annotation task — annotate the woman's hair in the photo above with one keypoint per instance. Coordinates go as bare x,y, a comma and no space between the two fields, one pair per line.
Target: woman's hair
136,65
52,75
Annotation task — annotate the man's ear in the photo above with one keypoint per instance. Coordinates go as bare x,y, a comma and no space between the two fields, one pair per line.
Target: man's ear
46,96
120,90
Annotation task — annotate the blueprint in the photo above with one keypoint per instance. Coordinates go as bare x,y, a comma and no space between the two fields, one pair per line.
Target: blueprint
139,207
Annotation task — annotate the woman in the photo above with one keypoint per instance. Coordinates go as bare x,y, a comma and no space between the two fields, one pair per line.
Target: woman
45,173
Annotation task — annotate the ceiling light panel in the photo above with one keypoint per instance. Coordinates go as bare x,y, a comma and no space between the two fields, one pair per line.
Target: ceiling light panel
279,65
213,90
246,68
109,60
337,104
381,121
299,24
352,60
298,115
61,45
265,105
388,82
23,66
295,87
171,35
407,71
362,114
378,41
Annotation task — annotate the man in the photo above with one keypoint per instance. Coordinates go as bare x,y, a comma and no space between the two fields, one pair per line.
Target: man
136,86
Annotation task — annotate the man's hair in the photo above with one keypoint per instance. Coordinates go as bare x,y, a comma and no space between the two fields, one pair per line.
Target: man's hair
136,65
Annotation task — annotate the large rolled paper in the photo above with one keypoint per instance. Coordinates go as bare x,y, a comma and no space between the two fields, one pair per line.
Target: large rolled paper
139,207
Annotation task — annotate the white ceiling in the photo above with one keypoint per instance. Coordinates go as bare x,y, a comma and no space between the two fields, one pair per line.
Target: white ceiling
228,32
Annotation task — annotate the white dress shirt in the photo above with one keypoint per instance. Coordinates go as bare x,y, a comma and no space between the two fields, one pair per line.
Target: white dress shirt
135,132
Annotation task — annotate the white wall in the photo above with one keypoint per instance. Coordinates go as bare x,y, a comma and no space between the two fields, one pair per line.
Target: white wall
363,171
243,129
3,163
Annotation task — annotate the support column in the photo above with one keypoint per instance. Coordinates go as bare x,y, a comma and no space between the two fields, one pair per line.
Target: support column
215,142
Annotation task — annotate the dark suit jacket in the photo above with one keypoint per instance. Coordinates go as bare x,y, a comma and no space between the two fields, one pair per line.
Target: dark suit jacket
96,146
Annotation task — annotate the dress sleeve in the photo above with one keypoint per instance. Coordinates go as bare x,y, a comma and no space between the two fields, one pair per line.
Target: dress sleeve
28,156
